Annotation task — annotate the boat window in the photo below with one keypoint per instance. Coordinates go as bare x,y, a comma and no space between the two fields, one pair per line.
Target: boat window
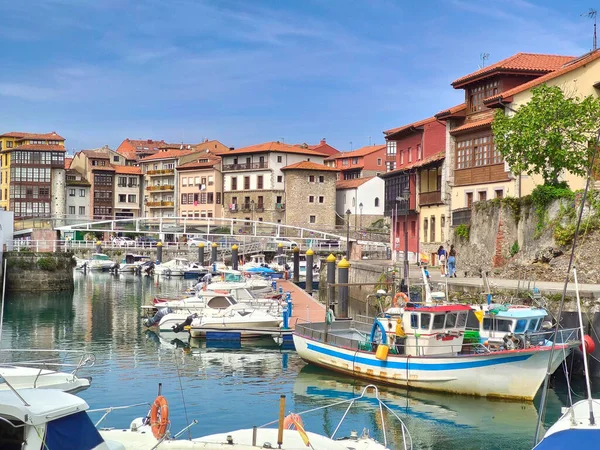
521,325
472,322
425,320
219,302
496,324
533,325
450,320
462,320
232,278
414,321
12,437
438,321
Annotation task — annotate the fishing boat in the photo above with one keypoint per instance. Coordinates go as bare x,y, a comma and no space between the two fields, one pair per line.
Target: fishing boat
424,346
173,268
132,262
98,261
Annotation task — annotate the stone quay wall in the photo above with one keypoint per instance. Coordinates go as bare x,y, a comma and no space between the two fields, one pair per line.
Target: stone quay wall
39,272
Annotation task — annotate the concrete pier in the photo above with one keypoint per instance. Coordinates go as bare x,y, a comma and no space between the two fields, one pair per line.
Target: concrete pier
306,308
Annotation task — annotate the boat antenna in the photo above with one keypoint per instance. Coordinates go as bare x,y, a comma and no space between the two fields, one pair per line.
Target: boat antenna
564,294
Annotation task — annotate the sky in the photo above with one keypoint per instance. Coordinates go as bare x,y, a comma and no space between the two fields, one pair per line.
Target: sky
251,71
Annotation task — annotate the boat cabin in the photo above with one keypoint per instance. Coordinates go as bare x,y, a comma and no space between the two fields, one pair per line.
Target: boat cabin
429,330
258,259
232,276
500,320
132,259
221,302
100,257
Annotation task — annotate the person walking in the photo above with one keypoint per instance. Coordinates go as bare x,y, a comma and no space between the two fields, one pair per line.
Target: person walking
452,262
442,256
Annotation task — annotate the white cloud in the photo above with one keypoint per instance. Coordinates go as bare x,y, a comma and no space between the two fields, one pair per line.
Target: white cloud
28,92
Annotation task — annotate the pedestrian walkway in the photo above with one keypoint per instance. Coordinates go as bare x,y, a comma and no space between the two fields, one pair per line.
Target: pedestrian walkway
306,308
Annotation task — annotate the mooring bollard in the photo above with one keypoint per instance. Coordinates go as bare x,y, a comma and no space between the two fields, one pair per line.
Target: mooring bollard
213,255
343,270
274,285
331,280
234,257
290,306
280,248
98,247
309,270
159,251
201,253
286,319
296,275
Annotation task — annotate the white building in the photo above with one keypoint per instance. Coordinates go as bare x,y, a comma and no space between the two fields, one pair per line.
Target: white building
363,197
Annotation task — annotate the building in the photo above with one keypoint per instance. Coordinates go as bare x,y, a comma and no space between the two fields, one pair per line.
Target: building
312,187
363,197
475,169
364,162
419,149
78,198
128,192
136,150
200,186
96,167
160,189
254,186
32,174
578,76
323,147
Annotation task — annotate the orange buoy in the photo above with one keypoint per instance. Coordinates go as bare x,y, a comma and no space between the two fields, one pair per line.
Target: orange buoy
590,345
399,295
290,421
159,417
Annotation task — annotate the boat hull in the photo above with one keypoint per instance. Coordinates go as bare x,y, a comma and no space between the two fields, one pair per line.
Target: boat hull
29,377
515,374
246,329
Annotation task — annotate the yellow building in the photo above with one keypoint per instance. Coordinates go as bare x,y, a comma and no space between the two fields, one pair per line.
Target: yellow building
32,172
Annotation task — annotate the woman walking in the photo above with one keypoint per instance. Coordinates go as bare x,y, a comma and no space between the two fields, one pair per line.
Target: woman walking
452,262
442,259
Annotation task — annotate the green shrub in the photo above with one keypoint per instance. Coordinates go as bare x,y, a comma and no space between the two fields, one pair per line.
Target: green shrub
545,194
514,249
47,263
462,231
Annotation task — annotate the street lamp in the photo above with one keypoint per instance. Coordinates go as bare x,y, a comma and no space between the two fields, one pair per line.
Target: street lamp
360,206
405,197
348,212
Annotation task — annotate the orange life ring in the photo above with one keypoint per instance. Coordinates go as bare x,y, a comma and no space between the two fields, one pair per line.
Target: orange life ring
401,295
160,407
290,421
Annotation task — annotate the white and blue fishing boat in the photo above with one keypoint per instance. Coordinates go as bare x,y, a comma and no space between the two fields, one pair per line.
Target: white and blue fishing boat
427,351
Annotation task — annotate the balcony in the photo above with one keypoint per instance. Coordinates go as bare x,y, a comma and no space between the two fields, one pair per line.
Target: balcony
160,204
280,206
430,198
164,187
246,207
233,207
260,207
160,172
246,166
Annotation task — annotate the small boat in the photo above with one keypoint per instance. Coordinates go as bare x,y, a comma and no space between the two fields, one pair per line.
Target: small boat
195,270
132,262
248,323
98,261
258,260
173,268
231,279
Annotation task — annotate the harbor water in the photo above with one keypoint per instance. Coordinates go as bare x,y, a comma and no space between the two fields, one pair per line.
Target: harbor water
231,388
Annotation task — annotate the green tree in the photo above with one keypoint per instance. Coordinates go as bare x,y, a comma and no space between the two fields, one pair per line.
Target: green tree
551,133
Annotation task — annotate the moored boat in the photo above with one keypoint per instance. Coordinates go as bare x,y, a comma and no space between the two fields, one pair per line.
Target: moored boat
132,262
98,261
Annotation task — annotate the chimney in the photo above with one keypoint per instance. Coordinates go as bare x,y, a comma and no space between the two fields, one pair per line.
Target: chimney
323,141
231,148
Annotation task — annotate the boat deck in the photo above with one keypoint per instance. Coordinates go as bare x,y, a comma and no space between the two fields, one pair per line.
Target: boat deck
306,308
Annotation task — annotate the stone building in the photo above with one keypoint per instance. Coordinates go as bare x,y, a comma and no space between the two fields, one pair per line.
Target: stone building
311,189
78,198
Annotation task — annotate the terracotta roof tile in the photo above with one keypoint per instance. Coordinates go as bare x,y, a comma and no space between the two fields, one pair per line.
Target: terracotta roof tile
453,111
22,135
351,184
274,147
44,147
96,154
410,125
127,170
168,154
68,162
200,165
526,63
566,68
309,165
473,125
431,159
363,151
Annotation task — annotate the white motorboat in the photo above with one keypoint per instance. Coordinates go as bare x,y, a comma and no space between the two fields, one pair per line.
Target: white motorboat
231,279
258,260
173,268
283,263
98,261
132,262
245,322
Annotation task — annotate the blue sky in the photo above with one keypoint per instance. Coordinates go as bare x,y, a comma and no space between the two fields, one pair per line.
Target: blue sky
249,71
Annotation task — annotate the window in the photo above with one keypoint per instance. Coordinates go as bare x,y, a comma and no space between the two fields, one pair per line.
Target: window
115,158
311,178
391,148
122,181
409,154
438,321
321,179
477,152
218,198
477,94
259,182
246,183
344,161
210,197
280,178
311,199
9,144
82,210
196,181
279,199
469,199
234,183
321,199
202,198
442,226
312,219
413,228
184,181
122,198
131,198
414,321
71,192
432,224
378,161
520,326
82,192
390,165
184,199
425,321
425,229
355,160
279,159
44,192
211,180
482,196
499,193
419,152
401,157
72,210
376,202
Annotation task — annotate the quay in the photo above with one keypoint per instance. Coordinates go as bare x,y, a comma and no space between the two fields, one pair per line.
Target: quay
306,308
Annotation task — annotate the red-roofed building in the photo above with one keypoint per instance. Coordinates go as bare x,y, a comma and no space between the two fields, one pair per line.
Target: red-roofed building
33,174
253,176
414,190
200,187
364,162
475,169
324,147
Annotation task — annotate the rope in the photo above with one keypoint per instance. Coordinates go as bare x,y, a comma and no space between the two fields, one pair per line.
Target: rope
182,396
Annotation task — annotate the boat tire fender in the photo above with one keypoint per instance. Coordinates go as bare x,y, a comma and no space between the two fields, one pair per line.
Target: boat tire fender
160,407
